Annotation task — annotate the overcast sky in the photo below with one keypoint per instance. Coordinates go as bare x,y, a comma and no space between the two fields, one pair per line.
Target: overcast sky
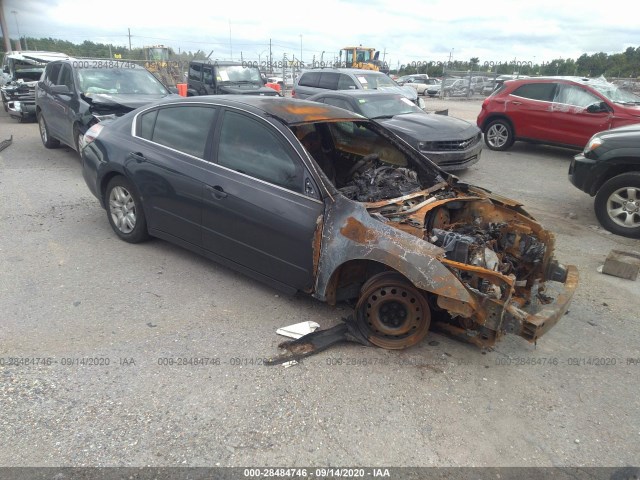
492,30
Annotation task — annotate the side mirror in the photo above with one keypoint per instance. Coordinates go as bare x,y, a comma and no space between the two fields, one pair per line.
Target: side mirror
61,90
6,69
598,107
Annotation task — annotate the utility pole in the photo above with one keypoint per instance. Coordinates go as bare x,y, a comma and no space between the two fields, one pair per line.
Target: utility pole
270,58
18,29
5,29
129,39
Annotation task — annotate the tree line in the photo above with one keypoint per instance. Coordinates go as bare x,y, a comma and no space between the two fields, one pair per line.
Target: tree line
89,49
617,65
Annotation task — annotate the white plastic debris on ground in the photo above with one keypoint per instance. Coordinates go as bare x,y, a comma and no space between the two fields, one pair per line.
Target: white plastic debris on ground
298,330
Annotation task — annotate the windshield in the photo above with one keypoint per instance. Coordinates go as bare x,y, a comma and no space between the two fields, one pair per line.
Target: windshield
119,80
387,106
615,94
238,73
371,81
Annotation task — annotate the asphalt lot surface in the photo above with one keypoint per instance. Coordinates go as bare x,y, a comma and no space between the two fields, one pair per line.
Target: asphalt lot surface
116,320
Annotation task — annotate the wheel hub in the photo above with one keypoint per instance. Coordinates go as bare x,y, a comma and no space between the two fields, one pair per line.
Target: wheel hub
632,207
393,314
123,210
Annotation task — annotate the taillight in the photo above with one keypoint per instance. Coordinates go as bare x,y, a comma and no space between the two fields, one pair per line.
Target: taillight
92,134
293,93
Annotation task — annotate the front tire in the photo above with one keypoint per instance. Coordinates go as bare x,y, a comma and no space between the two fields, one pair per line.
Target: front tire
125,212
499,135
391,313
617,205
45,136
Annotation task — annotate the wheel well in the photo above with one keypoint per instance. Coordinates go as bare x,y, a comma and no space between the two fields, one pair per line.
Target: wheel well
347,279
498,117
105,181
611,172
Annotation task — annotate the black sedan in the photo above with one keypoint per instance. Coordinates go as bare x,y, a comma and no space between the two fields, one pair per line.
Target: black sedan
609,169
310,197
451,143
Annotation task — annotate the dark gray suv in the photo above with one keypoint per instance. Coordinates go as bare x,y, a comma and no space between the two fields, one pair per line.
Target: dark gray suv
74,94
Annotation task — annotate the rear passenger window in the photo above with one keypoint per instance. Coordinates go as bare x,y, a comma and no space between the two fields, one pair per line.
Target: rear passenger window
184,128
147,122
329,81
346,83
536,91
310,79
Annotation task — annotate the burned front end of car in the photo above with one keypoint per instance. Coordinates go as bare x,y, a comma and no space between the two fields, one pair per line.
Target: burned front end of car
501,256
399,223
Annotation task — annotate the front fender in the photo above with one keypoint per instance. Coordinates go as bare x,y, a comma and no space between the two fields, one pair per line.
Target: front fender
350,233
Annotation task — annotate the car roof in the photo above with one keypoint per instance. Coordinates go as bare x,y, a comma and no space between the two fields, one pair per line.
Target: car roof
36,55
580,80
359,93
353,71
289,110
223,63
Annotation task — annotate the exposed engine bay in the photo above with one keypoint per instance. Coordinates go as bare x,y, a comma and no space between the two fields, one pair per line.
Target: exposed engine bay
471,229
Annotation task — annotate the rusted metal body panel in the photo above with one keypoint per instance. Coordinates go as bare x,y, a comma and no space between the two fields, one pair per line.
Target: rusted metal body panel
350,233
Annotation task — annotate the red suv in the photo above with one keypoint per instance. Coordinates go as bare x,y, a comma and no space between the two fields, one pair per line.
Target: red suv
563,111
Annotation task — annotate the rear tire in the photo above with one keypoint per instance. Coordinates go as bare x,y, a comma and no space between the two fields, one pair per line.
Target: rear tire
125,212
499,135
617,205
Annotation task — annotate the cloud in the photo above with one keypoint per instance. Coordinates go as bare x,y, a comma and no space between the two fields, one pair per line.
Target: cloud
499,31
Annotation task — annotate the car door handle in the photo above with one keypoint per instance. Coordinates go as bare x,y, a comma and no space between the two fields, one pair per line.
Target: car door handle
517,103
217,191
138,157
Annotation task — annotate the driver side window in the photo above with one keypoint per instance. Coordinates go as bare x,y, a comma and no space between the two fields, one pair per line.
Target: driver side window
576,96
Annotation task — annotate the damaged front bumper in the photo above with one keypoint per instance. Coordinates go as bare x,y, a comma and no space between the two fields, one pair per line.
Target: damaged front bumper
532,326
19,102
492,319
